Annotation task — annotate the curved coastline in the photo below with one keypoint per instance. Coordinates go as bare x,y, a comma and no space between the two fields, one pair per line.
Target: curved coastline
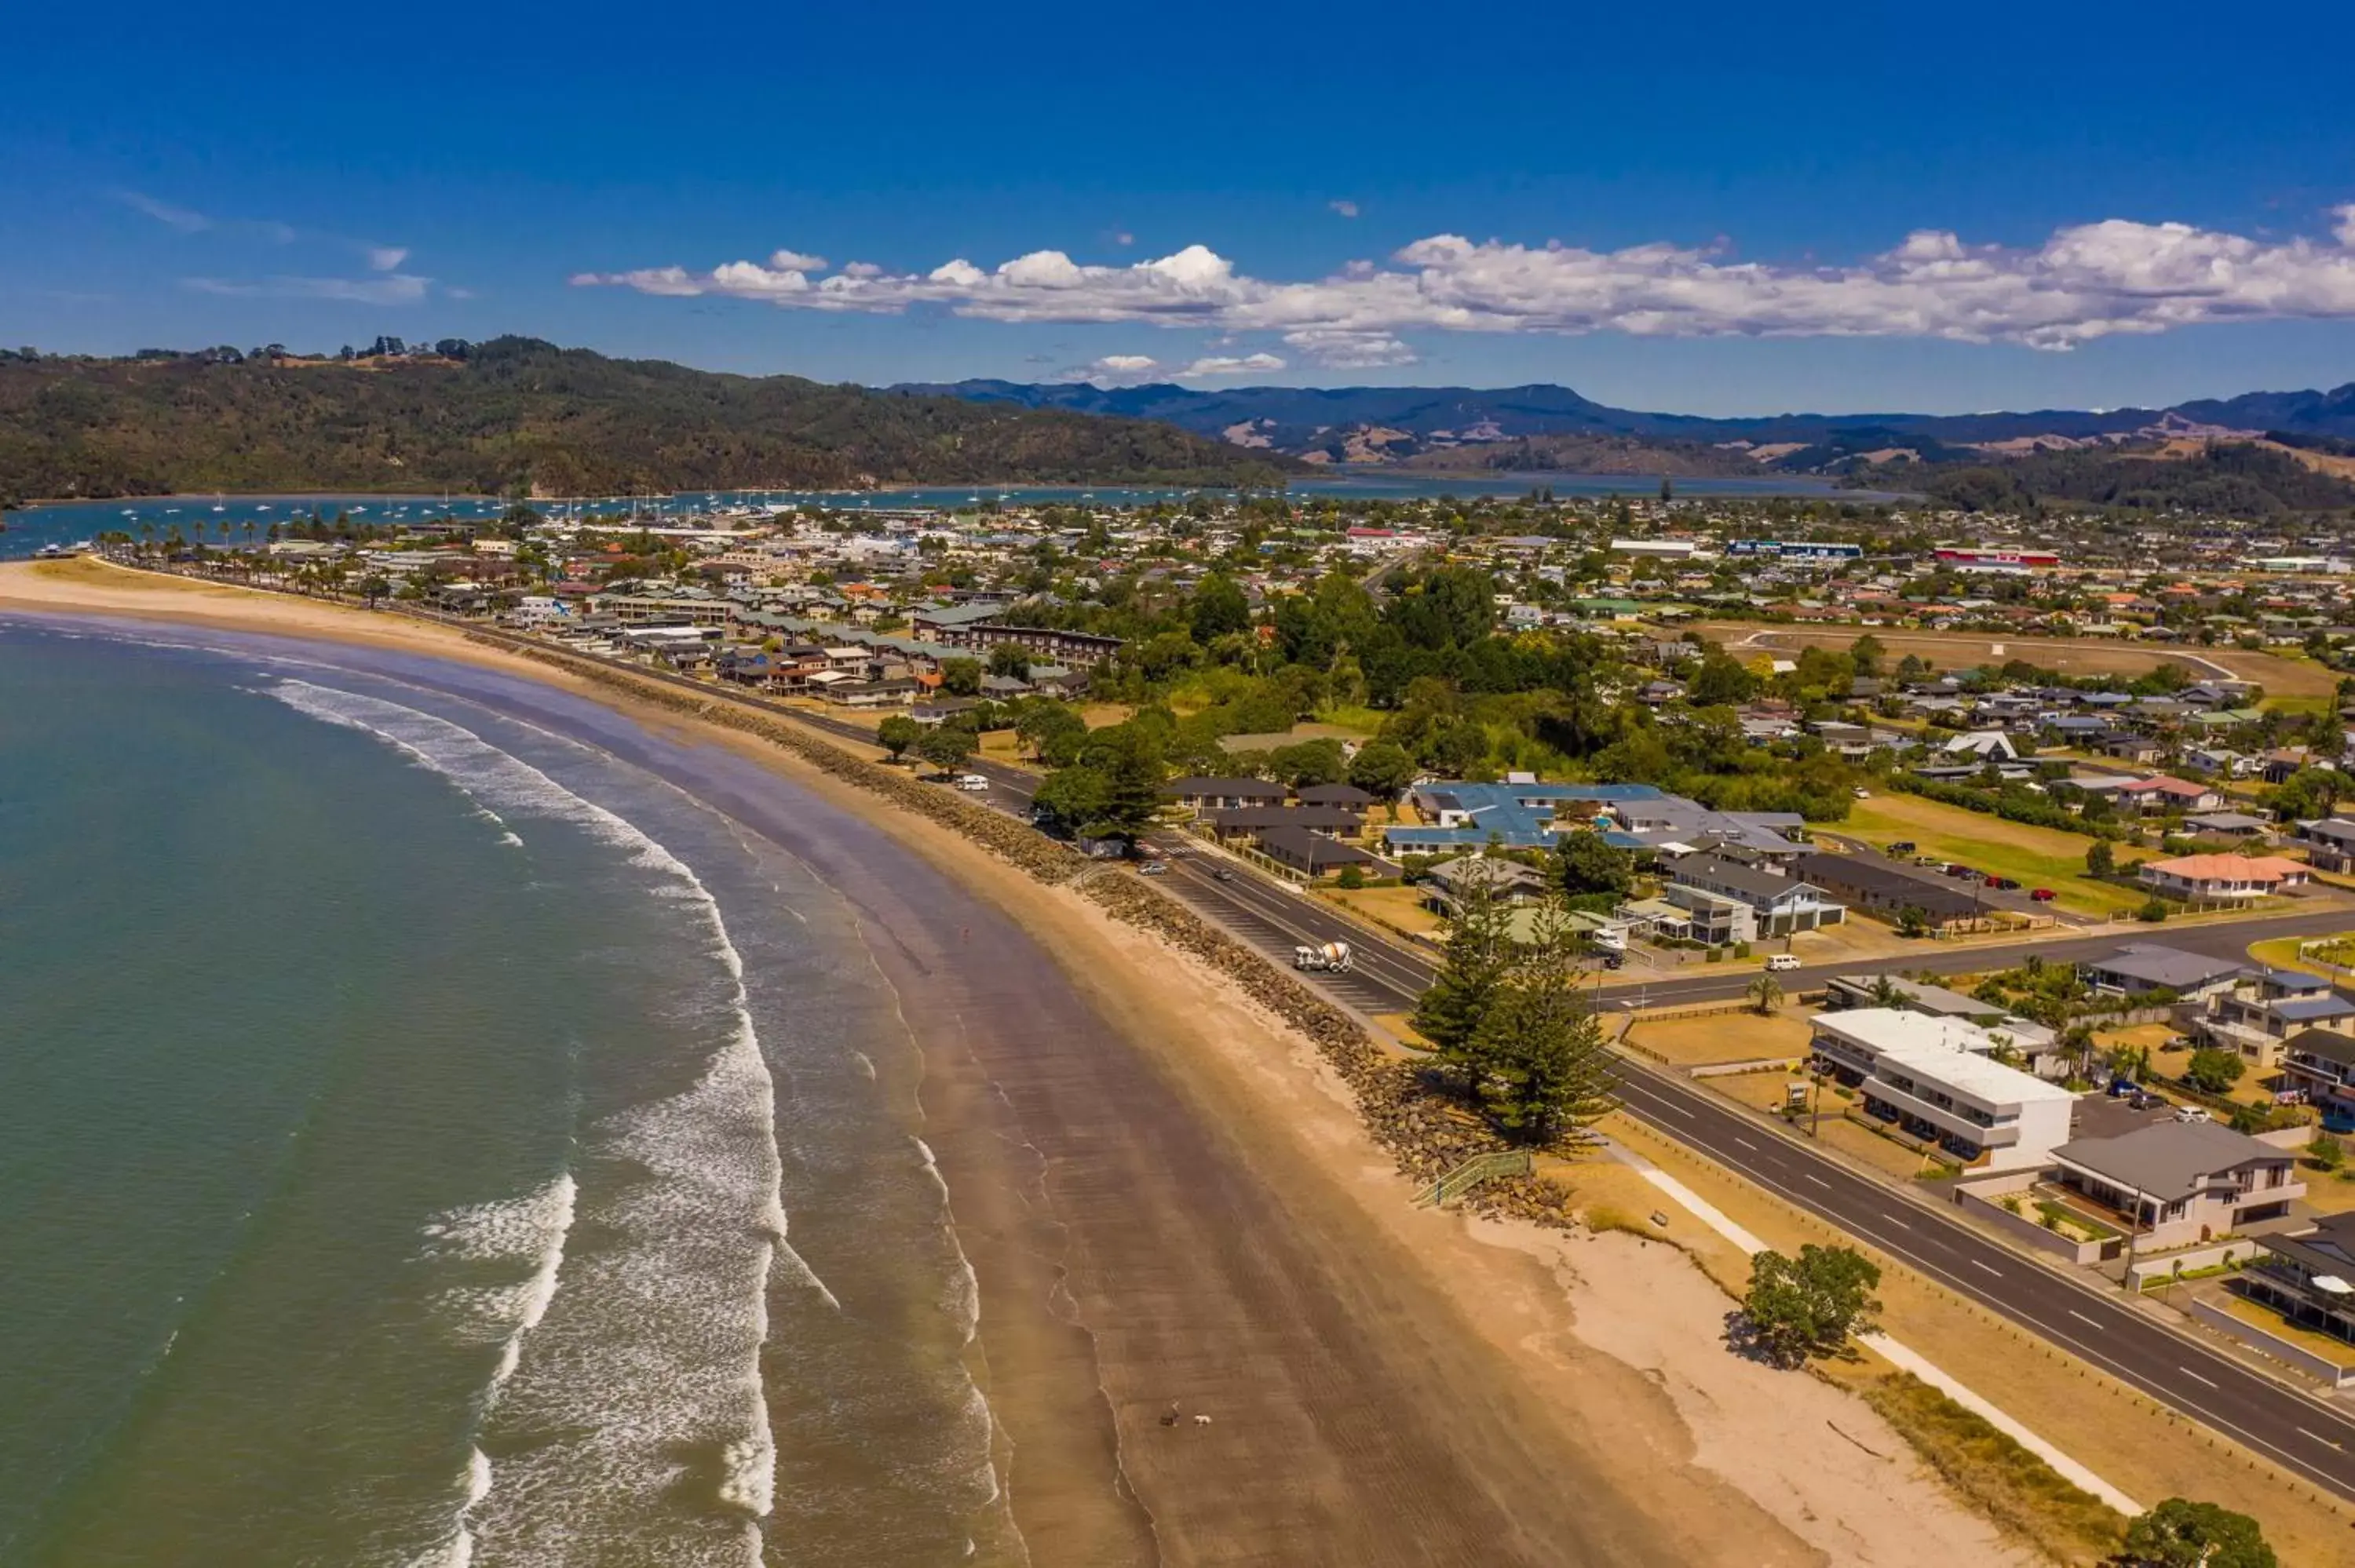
1161,1200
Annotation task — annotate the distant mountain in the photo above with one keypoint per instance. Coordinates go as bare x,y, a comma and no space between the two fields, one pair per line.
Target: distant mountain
1445,426
516,414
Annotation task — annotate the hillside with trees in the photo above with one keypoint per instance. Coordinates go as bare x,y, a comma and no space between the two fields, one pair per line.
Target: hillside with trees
2239,478
518,415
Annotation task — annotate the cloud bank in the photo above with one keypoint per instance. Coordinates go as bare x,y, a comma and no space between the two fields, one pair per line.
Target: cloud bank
2085,282
1136,369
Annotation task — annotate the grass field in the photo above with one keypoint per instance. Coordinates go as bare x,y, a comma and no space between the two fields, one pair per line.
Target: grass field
1724,1037
2039,857
2280,676
2282,953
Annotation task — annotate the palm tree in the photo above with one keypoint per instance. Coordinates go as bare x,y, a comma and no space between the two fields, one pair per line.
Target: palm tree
1766,993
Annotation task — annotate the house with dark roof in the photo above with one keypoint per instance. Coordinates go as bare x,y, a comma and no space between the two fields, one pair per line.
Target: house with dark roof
1746,902
1199,794
2321,1064
2263,1008
2309,1277
1311,854
2142,966
1886,889
2176,1183
2329,843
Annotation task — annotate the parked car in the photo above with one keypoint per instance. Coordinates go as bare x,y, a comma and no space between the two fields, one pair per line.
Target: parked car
1611,960
1154,868
1900,849
2143,1100
1862,793
2041,895
2004,884
1782,961
2193,1114
1956,868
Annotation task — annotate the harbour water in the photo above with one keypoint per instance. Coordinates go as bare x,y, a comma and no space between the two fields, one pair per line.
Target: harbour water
70,522
429,1138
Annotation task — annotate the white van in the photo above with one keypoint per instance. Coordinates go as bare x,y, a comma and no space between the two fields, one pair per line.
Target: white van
1782,961
974,783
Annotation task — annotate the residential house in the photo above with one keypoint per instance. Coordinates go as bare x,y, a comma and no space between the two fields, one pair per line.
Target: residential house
2265,1007
2308,1277
1937,1078
1246,821
2320,1063
2229,824
1778,906
1886,889
1225,794
2329,843
2169,795
1510,879
1310,853
2178,1184
2141,968
2223,878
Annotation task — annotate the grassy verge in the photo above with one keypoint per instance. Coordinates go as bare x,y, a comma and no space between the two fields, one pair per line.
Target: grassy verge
2023,1494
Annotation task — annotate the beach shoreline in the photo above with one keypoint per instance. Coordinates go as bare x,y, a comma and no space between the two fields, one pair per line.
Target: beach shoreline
1201,1217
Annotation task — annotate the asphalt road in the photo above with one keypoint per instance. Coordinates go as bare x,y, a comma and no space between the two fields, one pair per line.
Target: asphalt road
2303,1433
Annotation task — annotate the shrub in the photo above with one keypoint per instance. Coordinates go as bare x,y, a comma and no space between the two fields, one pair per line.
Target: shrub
2215,1071
2152,910
1352,878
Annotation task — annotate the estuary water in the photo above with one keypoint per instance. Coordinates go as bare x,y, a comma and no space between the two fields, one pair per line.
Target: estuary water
427,1139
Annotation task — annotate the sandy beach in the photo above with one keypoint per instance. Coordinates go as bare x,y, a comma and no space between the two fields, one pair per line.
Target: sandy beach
1168,1202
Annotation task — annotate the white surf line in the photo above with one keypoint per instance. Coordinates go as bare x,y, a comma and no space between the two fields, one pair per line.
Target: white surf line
1891,1351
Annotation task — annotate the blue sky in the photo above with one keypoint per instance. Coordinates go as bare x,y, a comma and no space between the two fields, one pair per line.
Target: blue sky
1708,211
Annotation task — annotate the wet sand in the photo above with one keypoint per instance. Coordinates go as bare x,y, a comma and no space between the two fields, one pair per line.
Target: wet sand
1165,1199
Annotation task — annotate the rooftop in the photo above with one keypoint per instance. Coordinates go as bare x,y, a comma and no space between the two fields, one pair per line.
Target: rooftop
2167,1159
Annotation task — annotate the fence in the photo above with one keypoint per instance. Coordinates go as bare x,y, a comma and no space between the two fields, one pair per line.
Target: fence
1471,1173
2274,1345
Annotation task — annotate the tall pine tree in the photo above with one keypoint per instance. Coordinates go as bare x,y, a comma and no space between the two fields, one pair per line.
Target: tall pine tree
1543,1070
1479,954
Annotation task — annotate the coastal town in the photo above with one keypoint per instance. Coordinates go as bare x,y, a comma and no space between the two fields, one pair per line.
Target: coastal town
1992,864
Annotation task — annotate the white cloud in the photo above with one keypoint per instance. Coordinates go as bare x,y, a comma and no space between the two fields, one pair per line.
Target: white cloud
388,289
1116,370
385,257
185,220
2082,283
1347,208
796,261
1232,364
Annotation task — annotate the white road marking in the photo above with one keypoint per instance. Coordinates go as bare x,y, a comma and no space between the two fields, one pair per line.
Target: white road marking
1986,1268
1747,1144
2083,1319
1817,1179
2194,1376
2317,1437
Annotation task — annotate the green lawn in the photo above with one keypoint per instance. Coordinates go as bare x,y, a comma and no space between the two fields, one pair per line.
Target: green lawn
2282,953
2037,857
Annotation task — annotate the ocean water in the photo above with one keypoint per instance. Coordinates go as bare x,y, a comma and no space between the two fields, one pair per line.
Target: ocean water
70,523
427,1139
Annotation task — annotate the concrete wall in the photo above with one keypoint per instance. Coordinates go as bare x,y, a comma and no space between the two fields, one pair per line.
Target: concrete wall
2020,1227
2273,1345
2149,1271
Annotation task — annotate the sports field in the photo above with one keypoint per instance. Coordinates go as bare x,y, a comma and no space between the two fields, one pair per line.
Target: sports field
2280,676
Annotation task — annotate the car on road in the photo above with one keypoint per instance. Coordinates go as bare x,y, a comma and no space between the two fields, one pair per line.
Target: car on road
1154,868
1223,874
973,783
1781,961
1898,849
2041,895
2004,884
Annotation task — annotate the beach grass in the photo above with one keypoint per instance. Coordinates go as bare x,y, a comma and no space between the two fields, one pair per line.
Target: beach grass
2023,1494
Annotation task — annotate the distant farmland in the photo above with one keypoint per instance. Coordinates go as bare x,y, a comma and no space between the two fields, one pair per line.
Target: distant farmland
2071,656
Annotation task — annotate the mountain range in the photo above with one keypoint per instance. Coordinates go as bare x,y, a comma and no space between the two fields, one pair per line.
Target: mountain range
1549,426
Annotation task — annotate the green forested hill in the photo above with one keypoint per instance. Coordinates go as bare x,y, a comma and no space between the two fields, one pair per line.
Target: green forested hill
517,413
2238,479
